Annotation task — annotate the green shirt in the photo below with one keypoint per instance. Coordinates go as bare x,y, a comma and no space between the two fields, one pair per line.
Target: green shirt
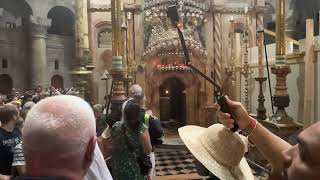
125,165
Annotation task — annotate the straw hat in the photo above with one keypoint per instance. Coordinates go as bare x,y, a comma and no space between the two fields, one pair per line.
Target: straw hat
219,150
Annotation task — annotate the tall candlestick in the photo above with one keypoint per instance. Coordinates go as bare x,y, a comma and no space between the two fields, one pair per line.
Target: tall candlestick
280,33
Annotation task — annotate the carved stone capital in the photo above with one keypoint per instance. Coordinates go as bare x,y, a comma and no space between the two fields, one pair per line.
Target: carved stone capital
39,26
224,9
132,7
261,9
218,8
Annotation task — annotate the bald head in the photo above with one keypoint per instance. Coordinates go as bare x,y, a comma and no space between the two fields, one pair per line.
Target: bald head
59,128
136,92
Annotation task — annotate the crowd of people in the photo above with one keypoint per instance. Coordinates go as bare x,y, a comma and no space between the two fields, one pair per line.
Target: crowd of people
46,134
52,136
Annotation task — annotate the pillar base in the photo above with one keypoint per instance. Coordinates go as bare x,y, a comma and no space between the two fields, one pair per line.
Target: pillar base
281,97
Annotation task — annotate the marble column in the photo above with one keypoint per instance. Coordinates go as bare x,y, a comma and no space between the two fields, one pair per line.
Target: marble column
39,62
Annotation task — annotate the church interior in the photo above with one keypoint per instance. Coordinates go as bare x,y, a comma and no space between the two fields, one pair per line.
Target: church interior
263,53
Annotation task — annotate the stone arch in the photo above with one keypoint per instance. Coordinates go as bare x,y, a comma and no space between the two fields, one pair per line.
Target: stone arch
57,81
172,94
47,6
63,21
104,37
97,30
193,84
6,84
19,8
15,12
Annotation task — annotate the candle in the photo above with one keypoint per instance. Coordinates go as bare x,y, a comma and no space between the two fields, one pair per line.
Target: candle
231,18
246,9
260,55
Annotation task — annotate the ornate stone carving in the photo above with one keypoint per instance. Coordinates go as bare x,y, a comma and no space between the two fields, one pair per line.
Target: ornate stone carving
39,26
162,38
217,49
105,38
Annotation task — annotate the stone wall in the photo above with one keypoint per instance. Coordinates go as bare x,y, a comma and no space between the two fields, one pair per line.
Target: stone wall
13,49
27,47
297,13
295,82
101,55
60,48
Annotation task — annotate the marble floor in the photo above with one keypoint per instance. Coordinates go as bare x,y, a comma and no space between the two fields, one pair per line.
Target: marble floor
173,159
175,162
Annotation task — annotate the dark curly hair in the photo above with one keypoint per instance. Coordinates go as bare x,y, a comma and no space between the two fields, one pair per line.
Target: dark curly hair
132,114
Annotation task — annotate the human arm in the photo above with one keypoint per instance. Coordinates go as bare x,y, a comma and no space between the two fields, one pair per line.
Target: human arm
4,177
105,142
146,142
156,131
270,145
21,170
19,160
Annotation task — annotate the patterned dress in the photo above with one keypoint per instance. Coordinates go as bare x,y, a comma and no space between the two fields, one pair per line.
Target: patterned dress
125,165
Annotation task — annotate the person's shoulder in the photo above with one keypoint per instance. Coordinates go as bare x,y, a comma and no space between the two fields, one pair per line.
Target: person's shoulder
38,178
117,125
2,131
154,121
16,131
19,146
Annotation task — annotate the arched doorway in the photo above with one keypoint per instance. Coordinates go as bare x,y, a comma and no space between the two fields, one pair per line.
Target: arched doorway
57,81
62,21
6,84
173,102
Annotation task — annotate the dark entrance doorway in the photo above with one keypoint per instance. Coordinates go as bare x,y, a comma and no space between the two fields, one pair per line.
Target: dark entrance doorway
57,82
173,102
6,84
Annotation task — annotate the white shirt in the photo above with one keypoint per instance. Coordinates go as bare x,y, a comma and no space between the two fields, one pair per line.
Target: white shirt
98,169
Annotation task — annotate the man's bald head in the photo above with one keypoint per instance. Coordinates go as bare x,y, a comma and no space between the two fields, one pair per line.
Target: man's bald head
136,92
59,128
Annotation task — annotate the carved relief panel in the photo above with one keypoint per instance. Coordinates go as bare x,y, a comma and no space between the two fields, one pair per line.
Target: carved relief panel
105,37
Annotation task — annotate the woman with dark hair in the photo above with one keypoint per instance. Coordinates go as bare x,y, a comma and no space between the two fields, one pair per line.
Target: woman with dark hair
130,140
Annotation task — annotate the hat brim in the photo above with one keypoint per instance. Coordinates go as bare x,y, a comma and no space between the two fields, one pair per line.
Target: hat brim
191,136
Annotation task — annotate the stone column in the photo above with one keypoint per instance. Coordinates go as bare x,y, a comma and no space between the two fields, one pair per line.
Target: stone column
309,76
81,28
82,67
291,18
131,9
217,46
39,63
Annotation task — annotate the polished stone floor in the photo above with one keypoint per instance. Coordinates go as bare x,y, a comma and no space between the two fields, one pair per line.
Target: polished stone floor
173,159
175,162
